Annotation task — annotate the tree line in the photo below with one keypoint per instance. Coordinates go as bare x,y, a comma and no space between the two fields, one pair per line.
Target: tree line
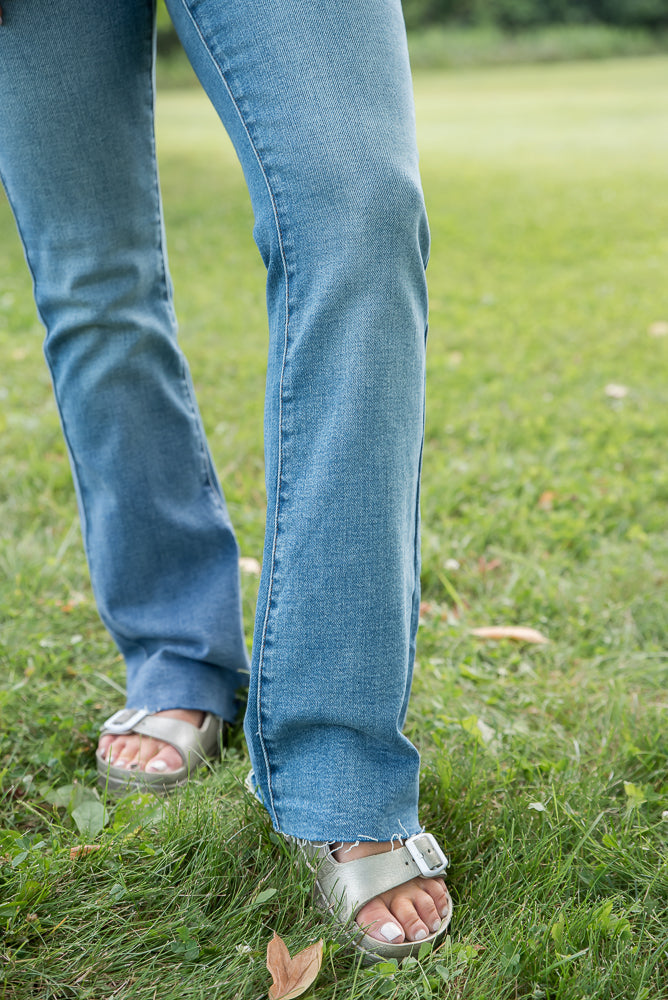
508,15
515,15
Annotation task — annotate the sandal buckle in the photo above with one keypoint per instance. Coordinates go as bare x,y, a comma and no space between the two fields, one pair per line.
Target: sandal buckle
426,854
119,723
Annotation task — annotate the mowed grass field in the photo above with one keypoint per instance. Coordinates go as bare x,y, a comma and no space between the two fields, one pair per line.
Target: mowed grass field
545,504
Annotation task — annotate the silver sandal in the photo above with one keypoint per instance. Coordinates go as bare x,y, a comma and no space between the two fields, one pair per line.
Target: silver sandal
342,888
196,746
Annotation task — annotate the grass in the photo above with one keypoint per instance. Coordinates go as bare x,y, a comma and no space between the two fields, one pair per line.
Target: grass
544,504
448,47
441,47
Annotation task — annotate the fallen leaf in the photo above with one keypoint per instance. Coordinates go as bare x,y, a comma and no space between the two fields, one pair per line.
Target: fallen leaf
74,600
546,500
615,391
658,329
247,564
292,976
518,632
82,850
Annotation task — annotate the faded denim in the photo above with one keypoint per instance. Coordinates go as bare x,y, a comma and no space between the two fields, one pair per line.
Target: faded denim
317,100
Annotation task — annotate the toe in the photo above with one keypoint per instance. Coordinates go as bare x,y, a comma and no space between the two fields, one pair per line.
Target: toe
168,759
427,910
129,751
139,753
115,748
437,889
104,745
406,913
377,921
147,749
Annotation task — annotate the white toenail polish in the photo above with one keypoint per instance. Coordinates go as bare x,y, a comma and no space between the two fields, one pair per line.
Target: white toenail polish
420,936
391,932
435,927
157,765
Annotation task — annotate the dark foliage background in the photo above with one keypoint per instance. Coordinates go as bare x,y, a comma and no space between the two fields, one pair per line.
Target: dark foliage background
518,14
506,15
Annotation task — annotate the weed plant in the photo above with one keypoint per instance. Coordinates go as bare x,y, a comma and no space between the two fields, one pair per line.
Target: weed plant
545,494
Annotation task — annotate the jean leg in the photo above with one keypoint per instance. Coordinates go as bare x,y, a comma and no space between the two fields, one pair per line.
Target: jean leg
78,163
317,99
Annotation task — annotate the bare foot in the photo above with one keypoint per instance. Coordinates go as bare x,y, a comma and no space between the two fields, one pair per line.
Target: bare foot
143,753
410,912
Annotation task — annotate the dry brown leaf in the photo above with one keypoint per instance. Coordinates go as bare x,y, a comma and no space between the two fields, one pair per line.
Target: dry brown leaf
518,632
292,976
488,566
82,850
546,500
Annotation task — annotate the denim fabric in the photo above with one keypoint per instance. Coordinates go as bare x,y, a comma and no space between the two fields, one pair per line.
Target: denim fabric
317,100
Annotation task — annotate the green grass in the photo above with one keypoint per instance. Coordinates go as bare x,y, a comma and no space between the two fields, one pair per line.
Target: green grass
447,47
544,504
451,48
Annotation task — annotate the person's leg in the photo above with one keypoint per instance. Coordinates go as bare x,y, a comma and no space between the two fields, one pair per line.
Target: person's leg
77,161
317,99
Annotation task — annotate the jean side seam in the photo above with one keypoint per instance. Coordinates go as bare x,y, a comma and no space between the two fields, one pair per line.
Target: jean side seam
279,471
417,561
164,282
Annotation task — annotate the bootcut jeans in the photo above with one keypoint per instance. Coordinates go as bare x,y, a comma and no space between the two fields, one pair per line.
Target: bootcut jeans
317,100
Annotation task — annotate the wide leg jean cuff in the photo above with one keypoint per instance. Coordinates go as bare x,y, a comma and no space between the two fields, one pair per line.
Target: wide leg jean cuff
164,684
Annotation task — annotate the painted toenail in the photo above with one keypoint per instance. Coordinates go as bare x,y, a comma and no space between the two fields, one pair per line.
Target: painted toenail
420,936
391,932
156,765
435,926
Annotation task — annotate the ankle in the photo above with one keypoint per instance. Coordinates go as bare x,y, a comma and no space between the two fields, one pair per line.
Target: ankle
350,850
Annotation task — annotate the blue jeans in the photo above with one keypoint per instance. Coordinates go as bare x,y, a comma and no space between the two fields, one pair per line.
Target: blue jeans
317,100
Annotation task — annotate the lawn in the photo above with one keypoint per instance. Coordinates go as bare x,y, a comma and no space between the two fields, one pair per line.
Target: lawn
545,499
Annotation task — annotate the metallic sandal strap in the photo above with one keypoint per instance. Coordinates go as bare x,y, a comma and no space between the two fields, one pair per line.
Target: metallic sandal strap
194,744
351,884
124,720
